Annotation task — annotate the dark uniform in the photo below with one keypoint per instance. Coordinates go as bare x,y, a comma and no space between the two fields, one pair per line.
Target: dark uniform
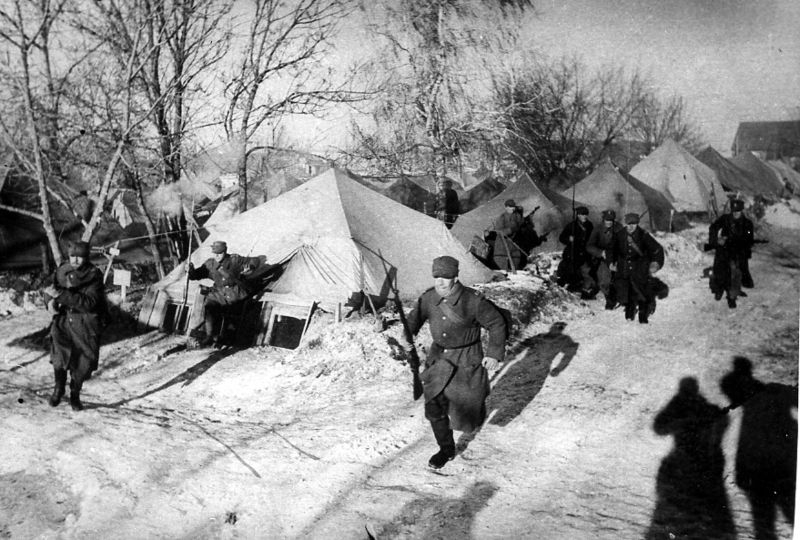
574,271
455,383
733,239
599,247
507,226
229,288
80,302
637,255
447,206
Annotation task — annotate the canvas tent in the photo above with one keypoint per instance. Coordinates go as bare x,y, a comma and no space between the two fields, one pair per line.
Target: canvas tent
334,238
554,212
410,194
610,188
687,183
731,176
784,170
768,180
480,193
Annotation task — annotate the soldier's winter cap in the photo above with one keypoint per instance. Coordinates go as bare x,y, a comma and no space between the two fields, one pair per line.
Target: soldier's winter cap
631,218
609,215
219,247
79,249
582,211
445,266
511,203
737,205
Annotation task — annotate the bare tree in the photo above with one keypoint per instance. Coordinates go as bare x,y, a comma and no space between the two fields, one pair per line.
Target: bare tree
181,40
435,62
556,117
280,71
655,120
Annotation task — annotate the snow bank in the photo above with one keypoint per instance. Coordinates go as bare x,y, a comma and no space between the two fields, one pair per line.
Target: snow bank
784,214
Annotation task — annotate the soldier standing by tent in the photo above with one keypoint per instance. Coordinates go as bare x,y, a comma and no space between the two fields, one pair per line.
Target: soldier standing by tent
78,303
228,272
732,238
573,271
455,380
599,247
507,226
446,208
636,256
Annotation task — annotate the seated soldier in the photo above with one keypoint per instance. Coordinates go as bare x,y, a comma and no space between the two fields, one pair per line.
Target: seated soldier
229,273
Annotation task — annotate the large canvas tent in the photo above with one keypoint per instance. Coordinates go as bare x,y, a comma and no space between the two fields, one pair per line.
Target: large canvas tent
767,178
410,194
334,238
731,176
610,188
554,211
785,171
687,183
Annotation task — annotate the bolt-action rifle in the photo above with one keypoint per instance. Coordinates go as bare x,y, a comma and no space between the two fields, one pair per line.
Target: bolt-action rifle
413,361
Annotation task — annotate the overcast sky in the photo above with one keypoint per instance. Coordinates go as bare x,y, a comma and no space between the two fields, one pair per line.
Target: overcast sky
733,60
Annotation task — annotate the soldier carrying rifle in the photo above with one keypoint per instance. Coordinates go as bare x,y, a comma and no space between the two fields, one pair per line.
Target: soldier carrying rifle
731,236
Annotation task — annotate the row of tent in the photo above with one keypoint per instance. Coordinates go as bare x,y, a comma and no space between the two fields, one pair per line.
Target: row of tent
663,187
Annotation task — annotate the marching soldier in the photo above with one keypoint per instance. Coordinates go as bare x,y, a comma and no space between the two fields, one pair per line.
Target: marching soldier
455,380
599,247
573,271
636,256
732,237
78,303
228,271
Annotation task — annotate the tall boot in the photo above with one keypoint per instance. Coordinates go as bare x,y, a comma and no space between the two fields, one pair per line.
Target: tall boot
444,438
60,376
75,395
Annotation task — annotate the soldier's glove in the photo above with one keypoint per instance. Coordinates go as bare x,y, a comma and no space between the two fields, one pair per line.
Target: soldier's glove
204,290
654,267
189,267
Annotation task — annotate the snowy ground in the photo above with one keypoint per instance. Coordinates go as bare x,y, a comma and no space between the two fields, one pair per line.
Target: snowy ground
326,442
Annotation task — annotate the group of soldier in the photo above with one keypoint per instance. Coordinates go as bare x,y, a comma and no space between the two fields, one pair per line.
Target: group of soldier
621,261
618,260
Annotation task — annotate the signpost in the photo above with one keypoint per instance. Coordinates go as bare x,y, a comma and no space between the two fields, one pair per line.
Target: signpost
122,278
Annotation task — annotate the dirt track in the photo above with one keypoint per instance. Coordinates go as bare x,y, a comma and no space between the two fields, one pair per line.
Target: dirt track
216,446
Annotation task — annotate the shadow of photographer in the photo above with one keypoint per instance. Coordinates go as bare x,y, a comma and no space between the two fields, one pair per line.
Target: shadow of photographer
766,454
692,501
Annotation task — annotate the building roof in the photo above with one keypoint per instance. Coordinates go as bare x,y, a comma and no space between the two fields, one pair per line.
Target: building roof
775,138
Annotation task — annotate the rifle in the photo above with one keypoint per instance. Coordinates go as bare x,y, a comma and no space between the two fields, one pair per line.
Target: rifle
413,361
711,247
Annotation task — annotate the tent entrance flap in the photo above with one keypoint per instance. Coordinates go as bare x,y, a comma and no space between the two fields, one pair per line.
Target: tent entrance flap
285,320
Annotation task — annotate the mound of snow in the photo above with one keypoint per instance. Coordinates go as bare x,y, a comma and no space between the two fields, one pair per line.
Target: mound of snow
784,214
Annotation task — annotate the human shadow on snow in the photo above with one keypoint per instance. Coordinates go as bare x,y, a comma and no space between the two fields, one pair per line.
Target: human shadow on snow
187,377
530,363
439,517
692,501
766,454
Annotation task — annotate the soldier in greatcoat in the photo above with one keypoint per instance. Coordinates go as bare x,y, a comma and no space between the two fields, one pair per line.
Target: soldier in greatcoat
574,270
455,380
599,247
636,256
78,303
732,237
229,273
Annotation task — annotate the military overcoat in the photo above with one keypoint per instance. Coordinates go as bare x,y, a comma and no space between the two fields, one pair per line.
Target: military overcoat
633,253
81,304
731,254
229,286
453,364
